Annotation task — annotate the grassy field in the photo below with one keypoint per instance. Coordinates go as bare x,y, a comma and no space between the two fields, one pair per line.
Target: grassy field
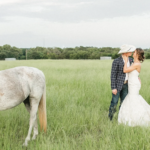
78,98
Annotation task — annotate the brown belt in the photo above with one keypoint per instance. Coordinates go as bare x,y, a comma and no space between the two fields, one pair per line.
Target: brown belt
125,82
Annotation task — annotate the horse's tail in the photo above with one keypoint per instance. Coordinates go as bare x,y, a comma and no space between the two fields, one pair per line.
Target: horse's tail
42,111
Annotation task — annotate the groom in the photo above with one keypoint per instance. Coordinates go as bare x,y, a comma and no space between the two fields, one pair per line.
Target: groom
119,79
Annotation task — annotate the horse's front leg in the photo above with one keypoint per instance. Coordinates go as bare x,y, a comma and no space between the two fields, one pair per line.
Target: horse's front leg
33,112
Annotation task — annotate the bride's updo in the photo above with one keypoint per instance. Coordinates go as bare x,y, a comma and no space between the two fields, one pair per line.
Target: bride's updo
140,54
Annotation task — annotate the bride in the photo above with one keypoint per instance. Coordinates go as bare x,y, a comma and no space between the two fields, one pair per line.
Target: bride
134,111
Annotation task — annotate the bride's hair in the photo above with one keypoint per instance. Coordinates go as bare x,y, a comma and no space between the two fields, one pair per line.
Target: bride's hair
140,54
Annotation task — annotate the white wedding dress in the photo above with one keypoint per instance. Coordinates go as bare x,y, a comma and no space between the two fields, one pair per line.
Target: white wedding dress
134,111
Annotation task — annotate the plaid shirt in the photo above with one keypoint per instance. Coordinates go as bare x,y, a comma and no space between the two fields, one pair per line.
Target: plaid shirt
117,74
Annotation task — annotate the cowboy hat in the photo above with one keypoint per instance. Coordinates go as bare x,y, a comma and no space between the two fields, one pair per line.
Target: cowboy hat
127,48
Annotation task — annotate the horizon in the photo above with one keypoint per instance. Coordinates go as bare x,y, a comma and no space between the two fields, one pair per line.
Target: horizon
68,47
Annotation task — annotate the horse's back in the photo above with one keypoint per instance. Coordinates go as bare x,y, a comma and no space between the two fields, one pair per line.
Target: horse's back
17,83
30,74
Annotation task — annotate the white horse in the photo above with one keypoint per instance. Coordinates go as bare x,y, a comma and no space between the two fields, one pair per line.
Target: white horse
25,84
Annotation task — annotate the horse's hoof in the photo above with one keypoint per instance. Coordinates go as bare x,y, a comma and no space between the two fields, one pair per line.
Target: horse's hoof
25,144
34,137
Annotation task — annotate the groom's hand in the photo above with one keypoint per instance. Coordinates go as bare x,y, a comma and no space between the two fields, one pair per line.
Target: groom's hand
140,80
114,91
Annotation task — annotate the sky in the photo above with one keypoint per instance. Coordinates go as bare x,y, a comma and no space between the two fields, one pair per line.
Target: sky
71,23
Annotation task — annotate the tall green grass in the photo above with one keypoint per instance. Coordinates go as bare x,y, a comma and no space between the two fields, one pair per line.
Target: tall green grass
78,98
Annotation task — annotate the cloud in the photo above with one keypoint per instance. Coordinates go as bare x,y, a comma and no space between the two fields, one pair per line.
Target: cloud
25,23
107,32
74,10
5,2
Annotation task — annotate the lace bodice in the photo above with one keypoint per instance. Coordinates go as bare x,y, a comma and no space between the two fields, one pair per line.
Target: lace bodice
134,84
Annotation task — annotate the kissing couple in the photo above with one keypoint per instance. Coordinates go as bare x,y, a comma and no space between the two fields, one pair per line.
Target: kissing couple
125,83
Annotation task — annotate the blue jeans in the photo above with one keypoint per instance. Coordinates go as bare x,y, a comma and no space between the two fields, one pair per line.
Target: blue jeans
122,94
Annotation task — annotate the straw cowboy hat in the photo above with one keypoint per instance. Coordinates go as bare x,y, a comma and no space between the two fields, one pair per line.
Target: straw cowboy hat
127,48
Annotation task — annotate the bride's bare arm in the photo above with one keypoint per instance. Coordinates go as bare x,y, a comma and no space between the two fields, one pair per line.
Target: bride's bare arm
131,68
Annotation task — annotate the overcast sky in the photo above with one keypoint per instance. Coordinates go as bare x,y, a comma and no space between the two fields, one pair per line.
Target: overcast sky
70,23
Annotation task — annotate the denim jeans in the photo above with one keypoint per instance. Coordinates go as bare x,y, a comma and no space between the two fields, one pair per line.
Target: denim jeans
122,94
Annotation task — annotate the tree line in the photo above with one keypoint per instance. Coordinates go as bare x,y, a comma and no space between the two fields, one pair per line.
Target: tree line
7,51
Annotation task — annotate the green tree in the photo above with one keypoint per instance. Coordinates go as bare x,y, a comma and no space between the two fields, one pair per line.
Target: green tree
115,55
148,56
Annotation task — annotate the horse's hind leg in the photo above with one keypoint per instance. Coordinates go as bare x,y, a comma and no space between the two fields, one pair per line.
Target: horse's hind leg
27,105
33,112
35,130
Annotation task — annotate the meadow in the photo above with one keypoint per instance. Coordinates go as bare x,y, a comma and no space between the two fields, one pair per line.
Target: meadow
78,97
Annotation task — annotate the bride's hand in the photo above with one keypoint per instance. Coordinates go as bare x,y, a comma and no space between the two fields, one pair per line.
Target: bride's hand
125,58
